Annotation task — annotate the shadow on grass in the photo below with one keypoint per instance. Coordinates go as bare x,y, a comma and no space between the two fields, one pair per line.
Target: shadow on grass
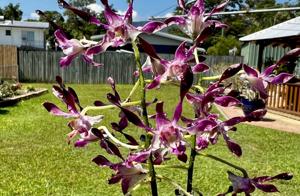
3,112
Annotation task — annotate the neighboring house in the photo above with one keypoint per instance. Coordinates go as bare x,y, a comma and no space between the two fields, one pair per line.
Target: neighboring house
269,45
23,34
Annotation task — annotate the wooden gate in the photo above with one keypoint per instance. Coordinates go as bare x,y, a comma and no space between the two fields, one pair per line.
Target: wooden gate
8,62
285,98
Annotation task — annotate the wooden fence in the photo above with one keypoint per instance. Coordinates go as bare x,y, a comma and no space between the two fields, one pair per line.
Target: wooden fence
8,62
43,66
285,98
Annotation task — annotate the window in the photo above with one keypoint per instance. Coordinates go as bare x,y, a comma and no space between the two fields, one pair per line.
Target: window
8,32
28,36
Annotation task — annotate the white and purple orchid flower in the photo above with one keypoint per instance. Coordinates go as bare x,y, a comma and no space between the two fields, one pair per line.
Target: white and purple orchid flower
81,124
196,22
73,48
168,70
128,175
248,185
259,81
120,30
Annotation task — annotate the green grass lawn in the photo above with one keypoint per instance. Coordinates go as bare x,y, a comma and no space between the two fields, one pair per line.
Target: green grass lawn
36,160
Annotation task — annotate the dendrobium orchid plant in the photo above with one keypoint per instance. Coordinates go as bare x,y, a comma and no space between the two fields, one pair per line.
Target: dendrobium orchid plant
163,137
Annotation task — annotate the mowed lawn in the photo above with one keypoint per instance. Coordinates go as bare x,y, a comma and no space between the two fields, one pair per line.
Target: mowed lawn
36,160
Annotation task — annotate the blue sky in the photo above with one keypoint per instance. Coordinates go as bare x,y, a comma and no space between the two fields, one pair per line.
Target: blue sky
144,8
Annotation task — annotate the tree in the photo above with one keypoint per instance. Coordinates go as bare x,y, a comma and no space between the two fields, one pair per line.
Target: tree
75,25
221,45
12,12
58,19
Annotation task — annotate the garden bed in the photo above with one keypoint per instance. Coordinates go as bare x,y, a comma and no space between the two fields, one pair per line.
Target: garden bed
15,99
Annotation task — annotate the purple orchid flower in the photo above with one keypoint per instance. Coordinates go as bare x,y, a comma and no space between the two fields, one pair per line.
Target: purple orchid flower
120,30
259,82
81,124
196,22
168,134
247,185
129,176
72,48
214,94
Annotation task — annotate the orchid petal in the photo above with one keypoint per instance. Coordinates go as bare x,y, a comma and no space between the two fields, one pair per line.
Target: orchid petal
230,71
234,147
67,60
281,78
219,8
82,14
291,55
128,14
250,71
178,20
155,83
160,118
90,60
180,53
266,187
201,67
102,161
200,4
227,101
54,110
268,71
152,27
111,148
233,121
181,4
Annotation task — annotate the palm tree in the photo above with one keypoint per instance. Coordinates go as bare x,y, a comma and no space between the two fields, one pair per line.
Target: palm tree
13,12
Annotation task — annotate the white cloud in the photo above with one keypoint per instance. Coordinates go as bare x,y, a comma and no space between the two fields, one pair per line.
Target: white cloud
34,15
135,15
169,14
95,8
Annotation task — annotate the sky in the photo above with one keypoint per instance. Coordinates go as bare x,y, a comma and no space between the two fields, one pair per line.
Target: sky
143,8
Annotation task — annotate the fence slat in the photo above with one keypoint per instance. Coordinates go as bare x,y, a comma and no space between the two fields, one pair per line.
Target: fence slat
8,62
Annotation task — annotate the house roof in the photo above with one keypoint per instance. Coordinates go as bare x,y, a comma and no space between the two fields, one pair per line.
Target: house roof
160,34
24,24
288,28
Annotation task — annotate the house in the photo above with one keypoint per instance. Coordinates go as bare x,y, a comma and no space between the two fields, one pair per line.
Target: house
23,34
265,47
262,48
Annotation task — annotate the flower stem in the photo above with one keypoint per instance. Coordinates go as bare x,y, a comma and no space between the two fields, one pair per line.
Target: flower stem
106,107
135,87
145,116
189,187
116,140
225,162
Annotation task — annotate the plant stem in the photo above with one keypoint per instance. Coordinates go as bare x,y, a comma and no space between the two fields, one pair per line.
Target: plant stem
136,85
225,162
189,187
145,116
106,107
